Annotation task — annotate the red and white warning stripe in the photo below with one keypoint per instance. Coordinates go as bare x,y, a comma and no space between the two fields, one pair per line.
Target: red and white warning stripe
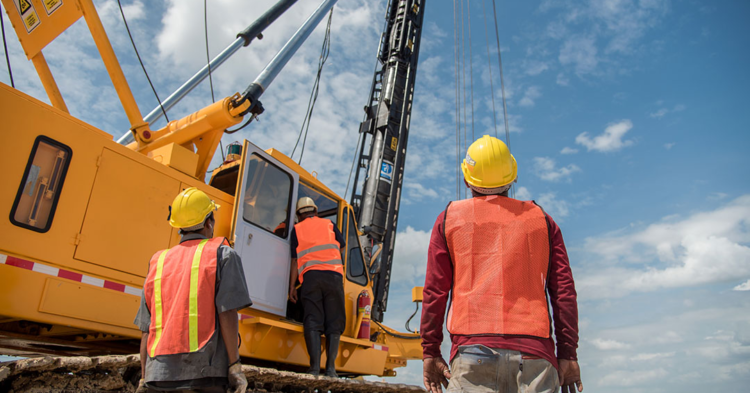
380,347
53,271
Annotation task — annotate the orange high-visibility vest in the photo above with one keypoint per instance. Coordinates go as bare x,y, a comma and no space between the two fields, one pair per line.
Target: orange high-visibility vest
317,247
180,290
499,248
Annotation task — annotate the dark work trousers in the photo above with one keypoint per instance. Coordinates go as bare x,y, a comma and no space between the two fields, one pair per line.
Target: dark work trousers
322,296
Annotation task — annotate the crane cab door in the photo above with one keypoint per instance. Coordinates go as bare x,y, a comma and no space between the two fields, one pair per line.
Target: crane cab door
262,222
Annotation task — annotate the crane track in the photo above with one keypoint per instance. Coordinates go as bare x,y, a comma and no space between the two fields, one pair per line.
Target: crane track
120,373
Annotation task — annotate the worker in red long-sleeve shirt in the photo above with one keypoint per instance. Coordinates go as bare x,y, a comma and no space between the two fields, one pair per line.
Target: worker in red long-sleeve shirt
499,260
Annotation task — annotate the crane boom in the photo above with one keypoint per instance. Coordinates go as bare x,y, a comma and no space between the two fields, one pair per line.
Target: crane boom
387,117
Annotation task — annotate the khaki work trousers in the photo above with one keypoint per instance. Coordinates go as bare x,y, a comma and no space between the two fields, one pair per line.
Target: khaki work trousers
478,369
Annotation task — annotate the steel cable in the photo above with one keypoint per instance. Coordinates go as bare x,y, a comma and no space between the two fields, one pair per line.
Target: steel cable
5,45
471,71
502,87
208,61
457,65
489,66
119,4
463,76
324,52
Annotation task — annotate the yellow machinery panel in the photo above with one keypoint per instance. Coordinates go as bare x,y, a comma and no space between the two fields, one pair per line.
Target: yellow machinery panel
177,157
71,299
127,213
38,22
21,293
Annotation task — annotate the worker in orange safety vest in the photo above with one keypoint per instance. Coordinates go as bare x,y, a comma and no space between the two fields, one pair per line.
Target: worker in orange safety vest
316,260
188,312
499,260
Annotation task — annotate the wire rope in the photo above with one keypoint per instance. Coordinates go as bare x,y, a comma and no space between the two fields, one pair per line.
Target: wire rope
502,86
5,45
406,325
390,333
489,66
119,4
471,70
463,76
458,99
208,61
324,52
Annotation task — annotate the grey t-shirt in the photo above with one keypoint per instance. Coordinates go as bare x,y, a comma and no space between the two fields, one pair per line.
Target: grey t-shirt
212,360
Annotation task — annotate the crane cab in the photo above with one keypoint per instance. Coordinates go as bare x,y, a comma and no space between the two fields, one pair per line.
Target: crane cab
266,186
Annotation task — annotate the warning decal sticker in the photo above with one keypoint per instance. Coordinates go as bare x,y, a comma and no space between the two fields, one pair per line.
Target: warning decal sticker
394,143
24,6
51,5
28,14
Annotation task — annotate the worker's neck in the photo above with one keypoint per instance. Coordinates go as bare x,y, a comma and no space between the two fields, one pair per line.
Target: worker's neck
476,194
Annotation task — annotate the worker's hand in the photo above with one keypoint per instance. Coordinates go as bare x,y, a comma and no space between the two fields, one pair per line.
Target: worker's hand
570,375
435,372
237,380
293,295
141,386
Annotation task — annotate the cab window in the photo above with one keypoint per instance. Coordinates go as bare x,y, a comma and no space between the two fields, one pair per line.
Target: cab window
327,207
355,268
37,196
267,198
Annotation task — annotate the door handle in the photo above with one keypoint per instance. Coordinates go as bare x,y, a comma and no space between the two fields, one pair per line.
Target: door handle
249,238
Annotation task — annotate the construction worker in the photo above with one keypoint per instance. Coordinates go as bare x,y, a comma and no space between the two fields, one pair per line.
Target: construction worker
188,312
316,260
498,259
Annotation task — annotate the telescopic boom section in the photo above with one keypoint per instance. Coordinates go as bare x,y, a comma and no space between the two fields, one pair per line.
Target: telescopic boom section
244,38
387,123
202,130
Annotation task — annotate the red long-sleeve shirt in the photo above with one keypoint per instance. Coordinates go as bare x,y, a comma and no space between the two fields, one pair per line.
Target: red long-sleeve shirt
560,288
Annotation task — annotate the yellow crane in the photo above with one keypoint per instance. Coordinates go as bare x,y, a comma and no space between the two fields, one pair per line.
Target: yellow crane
85,214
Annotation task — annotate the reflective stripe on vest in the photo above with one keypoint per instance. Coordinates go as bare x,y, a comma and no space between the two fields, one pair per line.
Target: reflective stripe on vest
499,248
180,289
317,247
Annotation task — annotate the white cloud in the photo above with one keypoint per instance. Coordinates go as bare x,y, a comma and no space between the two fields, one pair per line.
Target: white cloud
664,111
717,196
410,256
706,247
568,150
545,168
523,193
580,52
610,140
529,97
534,67
745,286
596,36
557,208
608,345
416,192
562,80
631,378
660,113
669,146
653,356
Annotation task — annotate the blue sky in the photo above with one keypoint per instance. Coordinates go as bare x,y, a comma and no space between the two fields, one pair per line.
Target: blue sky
628,120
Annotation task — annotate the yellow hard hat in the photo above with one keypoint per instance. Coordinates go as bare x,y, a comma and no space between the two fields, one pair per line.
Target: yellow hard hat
489,164
190,208
306,204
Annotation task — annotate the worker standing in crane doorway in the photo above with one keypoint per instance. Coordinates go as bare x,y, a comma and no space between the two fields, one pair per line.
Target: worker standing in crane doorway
498,259
188,312
316,259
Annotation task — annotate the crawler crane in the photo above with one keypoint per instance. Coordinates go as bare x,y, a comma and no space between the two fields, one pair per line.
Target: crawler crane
70,279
